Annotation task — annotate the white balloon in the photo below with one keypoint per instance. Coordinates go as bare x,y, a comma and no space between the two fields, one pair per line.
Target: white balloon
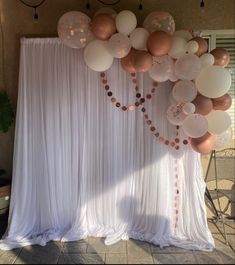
126,22
74,29
188,67
195,126
218,122
97,56
139,38
161,69
106,10
213,81
192,46
184,91
183,34
175,114
189,108
207,59
223,139
119,45
178,48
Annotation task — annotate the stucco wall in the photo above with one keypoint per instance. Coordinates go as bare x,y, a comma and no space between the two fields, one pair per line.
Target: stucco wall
17,21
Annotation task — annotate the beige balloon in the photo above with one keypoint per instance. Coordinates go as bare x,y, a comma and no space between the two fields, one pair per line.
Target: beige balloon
218,122
213,81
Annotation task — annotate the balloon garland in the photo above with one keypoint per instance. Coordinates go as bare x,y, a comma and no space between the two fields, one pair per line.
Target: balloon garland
201,82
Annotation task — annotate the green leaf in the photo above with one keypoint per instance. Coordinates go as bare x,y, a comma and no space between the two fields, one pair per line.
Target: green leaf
6,112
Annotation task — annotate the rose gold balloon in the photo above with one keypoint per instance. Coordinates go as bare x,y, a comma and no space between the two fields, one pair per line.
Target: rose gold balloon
159,43
126,62
103,26
142,61
203,105
204,144
222,103
222,57
203,45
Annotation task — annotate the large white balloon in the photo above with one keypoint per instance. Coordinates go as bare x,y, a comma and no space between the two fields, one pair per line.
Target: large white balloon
178,48
184,91
183,34
106,10
175,114
207,59
161,69
195,126
218,122
97,56
188,67
213,81
223,139
74,29
139,38
119,45
126,22
159,20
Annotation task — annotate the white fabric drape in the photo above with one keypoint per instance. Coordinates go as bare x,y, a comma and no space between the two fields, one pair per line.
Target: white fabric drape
83,167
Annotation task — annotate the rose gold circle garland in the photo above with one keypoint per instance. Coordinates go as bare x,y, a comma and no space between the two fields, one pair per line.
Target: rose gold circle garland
140,102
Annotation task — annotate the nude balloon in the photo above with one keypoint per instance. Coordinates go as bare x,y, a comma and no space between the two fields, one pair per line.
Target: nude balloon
204,144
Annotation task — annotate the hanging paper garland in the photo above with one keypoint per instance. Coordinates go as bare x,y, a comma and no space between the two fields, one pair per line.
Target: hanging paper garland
200,96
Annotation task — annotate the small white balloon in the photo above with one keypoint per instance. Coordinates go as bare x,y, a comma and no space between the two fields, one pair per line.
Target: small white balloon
183,34
161,69
139,38
223,139
188,67
214,81
119,45
106,10
195,125
178,48
192,47
184,91
175,114
207,59
97,56
126,22
74,29
189,108
218,122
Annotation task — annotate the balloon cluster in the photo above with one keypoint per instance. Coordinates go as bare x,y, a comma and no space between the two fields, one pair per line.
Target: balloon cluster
199,96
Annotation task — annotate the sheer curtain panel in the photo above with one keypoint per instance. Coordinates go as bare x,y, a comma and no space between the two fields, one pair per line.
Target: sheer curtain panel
83,167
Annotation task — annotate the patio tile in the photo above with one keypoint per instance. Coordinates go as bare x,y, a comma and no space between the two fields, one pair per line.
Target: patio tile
74,247
96,245
118,248
138,250
81,259
39,255
157,249
213,258
9,257
185,258
148,260
116,259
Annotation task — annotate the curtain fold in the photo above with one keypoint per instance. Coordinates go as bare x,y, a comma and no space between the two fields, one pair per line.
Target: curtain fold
83,167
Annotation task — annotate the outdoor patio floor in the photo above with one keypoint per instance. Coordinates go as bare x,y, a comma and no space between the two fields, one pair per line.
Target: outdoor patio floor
93,251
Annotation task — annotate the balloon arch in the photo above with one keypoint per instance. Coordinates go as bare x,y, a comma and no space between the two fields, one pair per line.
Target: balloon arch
201,82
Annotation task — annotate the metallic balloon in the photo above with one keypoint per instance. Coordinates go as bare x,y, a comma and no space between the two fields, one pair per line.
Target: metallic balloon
103,26
222,57
203,105
159,43
222,103
204,144
203,45
142,61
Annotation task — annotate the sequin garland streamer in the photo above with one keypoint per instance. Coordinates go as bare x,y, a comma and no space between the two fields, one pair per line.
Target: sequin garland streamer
139,98
140,102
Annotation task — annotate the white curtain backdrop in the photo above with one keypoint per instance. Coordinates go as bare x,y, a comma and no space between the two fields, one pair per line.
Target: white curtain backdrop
83,167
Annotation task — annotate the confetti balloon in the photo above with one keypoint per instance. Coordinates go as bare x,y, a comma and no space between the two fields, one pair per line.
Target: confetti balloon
159,20
175,114
74,29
